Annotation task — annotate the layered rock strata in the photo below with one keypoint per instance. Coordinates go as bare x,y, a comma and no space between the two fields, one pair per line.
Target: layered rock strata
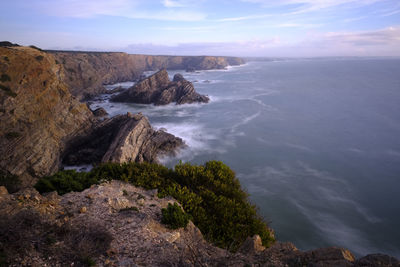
37,112
123,138
117,224
86,72
159,90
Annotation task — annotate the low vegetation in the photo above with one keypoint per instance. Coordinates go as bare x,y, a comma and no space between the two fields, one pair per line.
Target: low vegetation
28,230
174,216
210,194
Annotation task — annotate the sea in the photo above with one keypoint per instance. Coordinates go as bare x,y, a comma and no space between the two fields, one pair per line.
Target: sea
315,143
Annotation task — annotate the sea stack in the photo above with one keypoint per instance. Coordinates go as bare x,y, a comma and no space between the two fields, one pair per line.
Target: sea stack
159,90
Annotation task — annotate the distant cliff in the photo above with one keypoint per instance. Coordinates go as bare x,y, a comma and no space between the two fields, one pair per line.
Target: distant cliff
86,72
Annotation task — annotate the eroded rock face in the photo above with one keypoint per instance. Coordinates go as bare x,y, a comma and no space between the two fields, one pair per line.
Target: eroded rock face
123,138
159,90
37,113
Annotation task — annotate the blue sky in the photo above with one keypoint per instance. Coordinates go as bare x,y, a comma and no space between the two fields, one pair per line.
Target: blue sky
215,27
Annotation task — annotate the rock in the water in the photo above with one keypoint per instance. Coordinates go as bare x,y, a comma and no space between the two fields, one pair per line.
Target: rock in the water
159,90
123,138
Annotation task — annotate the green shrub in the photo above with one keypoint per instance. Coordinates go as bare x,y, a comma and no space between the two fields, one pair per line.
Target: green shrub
210,194
174,216
39,58
6,59
5,78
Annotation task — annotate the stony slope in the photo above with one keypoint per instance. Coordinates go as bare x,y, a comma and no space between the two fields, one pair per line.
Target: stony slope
37,112
117,224
159,90
86,72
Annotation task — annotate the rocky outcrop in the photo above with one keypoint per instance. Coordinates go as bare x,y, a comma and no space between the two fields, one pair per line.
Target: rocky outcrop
37,113
123,138
117,224
159,90
86,72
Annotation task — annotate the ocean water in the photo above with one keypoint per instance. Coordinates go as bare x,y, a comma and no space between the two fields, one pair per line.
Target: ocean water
316,144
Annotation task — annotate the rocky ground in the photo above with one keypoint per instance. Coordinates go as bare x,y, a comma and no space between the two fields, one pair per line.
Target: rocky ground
117,224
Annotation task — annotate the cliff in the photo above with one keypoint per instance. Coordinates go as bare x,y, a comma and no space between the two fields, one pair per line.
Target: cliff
117,224
86,72
159,90
37,115
123,138
41,122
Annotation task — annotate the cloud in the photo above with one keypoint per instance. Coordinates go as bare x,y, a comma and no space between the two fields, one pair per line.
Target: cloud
389,36
171,3
383,42
300,6
121,8
245,17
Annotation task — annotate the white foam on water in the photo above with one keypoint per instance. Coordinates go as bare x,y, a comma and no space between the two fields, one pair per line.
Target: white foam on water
197,138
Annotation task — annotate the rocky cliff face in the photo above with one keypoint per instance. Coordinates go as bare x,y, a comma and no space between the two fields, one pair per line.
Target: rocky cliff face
117,224
41,122
86,72
37,112
123,138
159,90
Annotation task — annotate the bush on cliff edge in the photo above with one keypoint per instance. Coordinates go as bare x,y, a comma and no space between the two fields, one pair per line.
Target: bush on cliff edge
210,194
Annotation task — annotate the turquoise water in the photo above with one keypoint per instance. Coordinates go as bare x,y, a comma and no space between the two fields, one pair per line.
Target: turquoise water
316,143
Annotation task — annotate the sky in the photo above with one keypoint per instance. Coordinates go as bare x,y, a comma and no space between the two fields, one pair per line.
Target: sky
264,28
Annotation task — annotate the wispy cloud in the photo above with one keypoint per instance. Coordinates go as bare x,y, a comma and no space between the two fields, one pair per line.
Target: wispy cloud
387,36
297,25
172,3
383,42
251,17
301,6
121,8
348,20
